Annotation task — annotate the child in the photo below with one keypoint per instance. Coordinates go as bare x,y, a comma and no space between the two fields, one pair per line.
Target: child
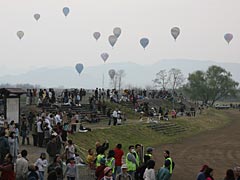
41,163
90,159
71,170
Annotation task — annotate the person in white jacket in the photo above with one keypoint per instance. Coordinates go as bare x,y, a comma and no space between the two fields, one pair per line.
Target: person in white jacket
41,163
149,173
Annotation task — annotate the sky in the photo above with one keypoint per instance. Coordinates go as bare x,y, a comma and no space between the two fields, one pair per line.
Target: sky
57,41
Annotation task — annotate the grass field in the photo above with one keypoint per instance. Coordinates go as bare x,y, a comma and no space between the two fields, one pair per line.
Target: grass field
134,131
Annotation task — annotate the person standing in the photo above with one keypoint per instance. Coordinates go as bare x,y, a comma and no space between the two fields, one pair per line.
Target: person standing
41,163
115,116
201,175
25,132
40,132
7,168
164,173
71,170
4,147
167,157
131,161
22,166
149,173
118,154
13,146
209,174
124,175
52,149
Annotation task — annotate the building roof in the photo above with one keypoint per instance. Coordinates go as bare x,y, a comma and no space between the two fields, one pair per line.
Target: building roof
13,91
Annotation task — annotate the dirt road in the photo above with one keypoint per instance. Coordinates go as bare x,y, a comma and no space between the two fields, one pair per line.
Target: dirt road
220,149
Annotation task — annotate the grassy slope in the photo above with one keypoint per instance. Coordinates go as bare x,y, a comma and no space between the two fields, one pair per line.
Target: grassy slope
135,132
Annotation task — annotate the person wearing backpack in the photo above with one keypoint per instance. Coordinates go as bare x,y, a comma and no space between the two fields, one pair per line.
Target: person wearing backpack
32,174
124,175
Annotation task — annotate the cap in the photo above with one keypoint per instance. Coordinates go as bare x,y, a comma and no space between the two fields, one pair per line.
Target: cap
149,149
124,166
106,170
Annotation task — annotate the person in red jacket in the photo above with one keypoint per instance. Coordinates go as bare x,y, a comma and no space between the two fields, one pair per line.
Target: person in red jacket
7,168
118,158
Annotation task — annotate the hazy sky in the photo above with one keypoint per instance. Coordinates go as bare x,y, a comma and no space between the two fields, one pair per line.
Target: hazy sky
58,41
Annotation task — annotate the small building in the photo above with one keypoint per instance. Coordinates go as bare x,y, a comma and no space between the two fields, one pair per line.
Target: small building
10,100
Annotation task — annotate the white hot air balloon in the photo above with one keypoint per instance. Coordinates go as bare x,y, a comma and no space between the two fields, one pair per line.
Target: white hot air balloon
66,11
175,31
112,40
20,34
144,42
36,16
104,56
228,37
96,35
117,32
111,73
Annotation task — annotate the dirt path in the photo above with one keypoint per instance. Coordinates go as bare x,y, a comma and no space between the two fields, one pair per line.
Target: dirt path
219,148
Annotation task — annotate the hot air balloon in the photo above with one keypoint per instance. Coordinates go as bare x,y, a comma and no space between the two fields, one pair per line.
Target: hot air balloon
96,35
175,31
111,73
79,68
144,42
112,40
228,37
104,56
36,16
66,11
20,34
117,32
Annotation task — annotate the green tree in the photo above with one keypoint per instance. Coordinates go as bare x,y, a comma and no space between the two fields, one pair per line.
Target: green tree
214,84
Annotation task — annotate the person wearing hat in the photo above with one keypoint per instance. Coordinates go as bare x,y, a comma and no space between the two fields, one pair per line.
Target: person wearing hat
124,175
164,173
99,173
107,174
148,155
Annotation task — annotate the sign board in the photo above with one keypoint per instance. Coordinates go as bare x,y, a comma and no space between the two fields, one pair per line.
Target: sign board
12,109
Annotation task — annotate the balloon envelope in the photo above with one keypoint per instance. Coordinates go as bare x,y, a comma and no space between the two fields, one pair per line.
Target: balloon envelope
96,35
66,11
112,40
36,16
20,34
175,31
228,37
144,42
104,56
117,32
111,73
79,67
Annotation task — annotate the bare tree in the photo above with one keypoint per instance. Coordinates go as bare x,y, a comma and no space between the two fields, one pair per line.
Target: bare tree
161,79
175,78
120,75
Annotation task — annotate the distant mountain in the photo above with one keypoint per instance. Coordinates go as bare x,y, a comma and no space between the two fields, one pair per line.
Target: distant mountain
92,77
